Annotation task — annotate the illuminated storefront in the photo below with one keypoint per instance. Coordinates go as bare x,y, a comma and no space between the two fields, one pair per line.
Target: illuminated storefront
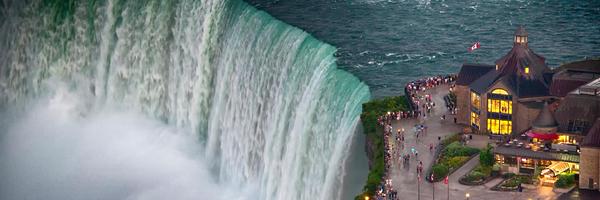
515,160
566,139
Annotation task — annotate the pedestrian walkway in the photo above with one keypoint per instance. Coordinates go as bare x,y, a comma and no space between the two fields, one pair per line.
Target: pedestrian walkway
404,175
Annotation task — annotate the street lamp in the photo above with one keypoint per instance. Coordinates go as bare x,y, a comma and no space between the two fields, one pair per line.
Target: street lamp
366,197
467,195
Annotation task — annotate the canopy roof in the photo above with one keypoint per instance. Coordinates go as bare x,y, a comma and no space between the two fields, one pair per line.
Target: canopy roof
557,168
542,136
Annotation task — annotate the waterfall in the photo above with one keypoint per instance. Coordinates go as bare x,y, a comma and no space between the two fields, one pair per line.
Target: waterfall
265,100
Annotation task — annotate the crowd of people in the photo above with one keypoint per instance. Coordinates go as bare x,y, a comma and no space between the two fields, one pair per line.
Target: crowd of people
413,87
422,106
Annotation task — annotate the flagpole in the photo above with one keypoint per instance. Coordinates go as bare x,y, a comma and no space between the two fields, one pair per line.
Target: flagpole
418,186
432,186
448,190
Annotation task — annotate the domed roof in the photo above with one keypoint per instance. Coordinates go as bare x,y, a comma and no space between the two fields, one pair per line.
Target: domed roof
545,119
521,31
592,139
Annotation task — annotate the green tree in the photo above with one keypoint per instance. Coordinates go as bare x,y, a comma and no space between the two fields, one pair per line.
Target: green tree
486,157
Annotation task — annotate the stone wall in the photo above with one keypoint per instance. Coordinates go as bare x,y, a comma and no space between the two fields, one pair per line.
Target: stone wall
589,167
463,100
523,116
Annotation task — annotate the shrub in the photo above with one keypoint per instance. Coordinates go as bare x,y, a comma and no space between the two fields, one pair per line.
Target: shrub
496,167
565,180
486,157
439,171
508,175
513,182
457,149
495,170
485,170
453,138
454,162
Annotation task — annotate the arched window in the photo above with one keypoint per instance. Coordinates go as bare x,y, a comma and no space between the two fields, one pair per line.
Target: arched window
500,91
499,105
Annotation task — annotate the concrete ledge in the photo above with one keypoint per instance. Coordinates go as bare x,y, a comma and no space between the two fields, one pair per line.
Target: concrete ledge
563,190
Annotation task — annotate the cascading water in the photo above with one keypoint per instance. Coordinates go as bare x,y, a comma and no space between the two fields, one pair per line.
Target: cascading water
270,110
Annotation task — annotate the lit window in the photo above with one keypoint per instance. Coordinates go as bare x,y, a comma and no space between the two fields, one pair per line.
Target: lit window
527,70
475,120
499,106
475,100
499,126
500,91
566,139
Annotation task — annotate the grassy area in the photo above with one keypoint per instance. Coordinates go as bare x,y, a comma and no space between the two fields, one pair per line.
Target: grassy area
374,133
452,157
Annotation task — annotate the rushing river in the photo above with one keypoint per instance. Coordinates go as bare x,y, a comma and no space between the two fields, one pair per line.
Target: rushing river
136,99
387,43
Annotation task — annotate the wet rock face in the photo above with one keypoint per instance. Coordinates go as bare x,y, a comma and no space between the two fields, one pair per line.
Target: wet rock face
370,150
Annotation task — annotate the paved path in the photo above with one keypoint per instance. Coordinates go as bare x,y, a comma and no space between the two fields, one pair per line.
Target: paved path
404,177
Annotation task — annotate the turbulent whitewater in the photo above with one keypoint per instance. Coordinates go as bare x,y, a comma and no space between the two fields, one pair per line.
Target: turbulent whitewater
180,99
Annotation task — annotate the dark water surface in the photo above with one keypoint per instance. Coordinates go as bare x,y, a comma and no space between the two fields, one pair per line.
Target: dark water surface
389,42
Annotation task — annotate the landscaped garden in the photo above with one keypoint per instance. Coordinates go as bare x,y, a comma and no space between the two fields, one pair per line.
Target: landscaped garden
484,171
512,181
453,155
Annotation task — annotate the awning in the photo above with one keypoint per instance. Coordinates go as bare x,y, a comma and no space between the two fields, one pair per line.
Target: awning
557,168
543,155
542,136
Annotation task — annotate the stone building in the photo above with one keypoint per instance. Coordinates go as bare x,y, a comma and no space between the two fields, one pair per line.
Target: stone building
589,168
543,118
504,98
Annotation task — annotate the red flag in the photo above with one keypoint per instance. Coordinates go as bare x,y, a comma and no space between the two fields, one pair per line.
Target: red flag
446,180
475,46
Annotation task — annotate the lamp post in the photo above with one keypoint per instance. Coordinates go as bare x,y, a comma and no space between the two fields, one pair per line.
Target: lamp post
419,186
467,196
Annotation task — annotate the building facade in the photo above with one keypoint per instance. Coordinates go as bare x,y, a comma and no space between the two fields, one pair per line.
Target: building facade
543,119
504,98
